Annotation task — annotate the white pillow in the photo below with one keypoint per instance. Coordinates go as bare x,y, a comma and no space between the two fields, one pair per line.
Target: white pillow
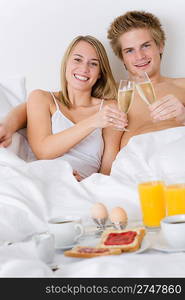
14,89
12,93
5,106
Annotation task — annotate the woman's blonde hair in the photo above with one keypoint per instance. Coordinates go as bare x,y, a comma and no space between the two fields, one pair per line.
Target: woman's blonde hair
134,20
105,86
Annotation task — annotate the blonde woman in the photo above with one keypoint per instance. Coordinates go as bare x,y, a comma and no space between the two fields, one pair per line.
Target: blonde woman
78,123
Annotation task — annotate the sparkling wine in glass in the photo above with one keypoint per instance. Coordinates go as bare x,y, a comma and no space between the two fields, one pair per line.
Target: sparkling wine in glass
125,96
145,88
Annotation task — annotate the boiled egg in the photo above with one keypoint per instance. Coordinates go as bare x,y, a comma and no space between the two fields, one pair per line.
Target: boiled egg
118,215
99,211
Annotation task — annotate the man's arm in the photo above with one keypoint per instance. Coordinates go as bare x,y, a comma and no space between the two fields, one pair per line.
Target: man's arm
14,120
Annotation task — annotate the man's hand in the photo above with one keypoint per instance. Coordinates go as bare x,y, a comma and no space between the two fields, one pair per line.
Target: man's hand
5,136
168,107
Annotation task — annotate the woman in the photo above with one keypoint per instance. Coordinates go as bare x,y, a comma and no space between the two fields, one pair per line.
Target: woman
78,123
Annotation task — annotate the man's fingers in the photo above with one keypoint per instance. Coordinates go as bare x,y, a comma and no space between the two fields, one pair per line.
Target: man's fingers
158,103
163,109
167,116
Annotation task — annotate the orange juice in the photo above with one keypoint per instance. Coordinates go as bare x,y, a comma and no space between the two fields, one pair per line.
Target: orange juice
152,202
175,199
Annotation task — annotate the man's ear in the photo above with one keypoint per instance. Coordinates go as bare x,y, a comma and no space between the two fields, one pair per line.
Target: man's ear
125,66
161,48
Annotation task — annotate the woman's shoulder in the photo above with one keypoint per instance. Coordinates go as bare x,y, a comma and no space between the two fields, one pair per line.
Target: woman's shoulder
39,95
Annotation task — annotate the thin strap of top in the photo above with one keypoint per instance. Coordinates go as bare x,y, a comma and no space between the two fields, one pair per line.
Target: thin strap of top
57,106
101,104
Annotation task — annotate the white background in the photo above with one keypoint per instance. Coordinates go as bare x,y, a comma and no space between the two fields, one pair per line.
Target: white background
35,33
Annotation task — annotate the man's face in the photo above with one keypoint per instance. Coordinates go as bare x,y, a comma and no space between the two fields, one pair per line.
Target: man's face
140,52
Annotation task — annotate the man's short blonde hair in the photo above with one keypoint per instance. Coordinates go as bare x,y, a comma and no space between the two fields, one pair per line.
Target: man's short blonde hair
134,20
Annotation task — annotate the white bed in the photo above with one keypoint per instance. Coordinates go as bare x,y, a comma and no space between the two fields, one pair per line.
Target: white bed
31,192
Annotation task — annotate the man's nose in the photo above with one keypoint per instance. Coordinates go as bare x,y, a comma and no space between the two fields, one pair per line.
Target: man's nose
140,54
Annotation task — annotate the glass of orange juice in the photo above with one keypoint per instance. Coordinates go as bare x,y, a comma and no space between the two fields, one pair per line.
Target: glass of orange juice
174,194
175,199
152,202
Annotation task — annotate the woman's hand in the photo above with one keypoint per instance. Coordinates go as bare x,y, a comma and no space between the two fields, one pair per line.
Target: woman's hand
109,115
77,176
168,107
5,135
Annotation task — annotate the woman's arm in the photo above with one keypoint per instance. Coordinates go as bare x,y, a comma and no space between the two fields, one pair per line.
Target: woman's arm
112,139
46,145
14,120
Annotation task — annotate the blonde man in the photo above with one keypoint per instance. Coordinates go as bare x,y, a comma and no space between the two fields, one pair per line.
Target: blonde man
138,39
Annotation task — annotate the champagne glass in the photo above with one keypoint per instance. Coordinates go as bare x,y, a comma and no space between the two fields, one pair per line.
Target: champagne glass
145,88
125,96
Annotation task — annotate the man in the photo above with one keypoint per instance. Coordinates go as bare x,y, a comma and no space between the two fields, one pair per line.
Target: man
138,39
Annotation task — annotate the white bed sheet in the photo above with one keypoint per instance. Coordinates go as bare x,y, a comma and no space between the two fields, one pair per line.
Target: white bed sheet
31,193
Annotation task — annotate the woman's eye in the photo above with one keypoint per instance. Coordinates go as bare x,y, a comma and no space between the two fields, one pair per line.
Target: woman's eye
77,59
146,46
94,64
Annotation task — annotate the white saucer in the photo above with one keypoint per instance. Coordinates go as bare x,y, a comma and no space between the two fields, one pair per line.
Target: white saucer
161,245
145,245
65,247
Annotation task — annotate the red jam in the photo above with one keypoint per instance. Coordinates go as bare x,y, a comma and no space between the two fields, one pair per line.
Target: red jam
122,238
92,250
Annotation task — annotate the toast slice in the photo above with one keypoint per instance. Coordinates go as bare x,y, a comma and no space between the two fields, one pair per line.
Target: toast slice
88,252
127,240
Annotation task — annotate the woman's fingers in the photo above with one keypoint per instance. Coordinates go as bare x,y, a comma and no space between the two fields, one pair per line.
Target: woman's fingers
116,113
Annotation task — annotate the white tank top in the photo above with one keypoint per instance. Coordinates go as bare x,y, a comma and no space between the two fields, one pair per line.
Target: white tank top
86,156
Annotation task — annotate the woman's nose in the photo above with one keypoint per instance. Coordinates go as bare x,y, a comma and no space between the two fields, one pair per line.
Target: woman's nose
85,67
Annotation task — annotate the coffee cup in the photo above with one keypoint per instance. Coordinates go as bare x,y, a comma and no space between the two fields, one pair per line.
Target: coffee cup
66,230
173,231
45,246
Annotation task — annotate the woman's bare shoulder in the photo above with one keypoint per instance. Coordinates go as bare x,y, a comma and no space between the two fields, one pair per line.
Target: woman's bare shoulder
39,93
37,96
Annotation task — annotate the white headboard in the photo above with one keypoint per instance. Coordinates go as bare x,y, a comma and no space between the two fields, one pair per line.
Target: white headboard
35,33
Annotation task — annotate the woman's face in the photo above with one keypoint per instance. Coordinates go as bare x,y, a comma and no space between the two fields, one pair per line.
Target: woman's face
83,67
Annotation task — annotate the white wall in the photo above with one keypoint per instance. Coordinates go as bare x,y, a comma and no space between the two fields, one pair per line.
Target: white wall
35,33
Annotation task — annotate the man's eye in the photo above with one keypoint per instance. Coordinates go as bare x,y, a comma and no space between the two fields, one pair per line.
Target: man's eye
129,51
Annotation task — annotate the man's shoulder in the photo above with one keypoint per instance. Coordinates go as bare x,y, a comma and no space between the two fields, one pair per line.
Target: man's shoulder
180,82
176,81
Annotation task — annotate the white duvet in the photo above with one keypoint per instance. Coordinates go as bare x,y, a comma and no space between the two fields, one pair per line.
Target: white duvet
32,192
